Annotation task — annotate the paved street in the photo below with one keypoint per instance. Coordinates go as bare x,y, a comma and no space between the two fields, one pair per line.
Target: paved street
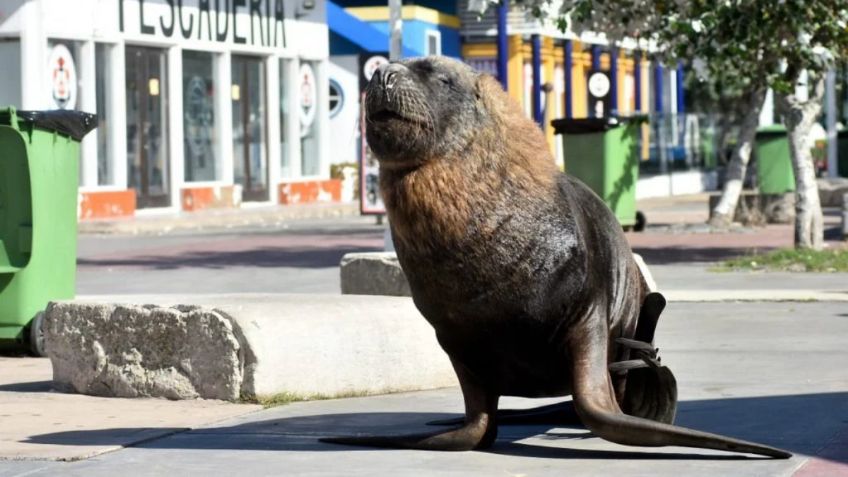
299,256
767,372
302,256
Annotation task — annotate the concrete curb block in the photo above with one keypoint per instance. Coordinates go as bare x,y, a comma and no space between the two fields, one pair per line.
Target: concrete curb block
373,273
227,346
380,273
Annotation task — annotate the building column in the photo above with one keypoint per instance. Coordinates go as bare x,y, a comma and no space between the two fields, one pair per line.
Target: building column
549,98
637,81
292,122
596,57
568,65
503,47
515,75
658,87
596,66
117,84
323,118
272,80
33,57
88,103
224,114
176,147
536,91
613,80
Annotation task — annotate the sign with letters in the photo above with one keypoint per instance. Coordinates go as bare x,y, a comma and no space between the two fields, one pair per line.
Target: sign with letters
240,22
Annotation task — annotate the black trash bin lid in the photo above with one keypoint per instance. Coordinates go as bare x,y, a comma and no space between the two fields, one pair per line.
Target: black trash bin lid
75,124
592,125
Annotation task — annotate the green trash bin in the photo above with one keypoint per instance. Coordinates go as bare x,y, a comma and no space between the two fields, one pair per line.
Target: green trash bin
842,153
39,169
603,153
774,165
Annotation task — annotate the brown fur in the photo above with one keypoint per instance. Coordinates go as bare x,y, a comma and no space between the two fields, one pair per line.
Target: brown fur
442,194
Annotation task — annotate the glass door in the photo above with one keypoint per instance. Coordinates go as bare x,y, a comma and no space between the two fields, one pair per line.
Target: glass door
250,158
147,126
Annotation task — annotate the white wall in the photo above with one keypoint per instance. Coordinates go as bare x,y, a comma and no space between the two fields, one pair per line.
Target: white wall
344,127
31,23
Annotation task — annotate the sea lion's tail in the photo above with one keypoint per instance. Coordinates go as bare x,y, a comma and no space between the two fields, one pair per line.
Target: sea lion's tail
628,430
594,400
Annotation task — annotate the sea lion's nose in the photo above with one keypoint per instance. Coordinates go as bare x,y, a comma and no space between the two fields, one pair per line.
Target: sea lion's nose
387,74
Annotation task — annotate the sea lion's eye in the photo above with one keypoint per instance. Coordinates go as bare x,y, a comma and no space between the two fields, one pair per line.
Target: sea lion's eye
446,79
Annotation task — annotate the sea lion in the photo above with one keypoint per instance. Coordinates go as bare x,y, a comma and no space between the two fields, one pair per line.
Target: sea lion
523,272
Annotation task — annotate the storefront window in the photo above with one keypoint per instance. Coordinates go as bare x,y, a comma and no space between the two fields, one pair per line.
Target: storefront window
103,63
148,161
250,166
199,139
285,162
308,97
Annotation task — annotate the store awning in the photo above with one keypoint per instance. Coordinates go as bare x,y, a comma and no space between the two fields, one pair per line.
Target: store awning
358,32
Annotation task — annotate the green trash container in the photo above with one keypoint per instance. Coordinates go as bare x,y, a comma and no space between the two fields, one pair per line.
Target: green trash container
603,153
39,168
842,153
774,165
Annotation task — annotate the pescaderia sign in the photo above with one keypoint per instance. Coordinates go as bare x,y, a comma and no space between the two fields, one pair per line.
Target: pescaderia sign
243,22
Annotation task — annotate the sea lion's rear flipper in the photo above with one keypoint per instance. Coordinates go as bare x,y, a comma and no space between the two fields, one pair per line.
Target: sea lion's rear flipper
596,405
650,390
649,315
479,428
651,393
561,413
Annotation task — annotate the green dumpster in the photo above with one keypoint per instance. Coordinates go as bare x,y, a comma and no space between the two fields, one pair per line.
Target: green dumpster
39,167
603,153
842,153
774,165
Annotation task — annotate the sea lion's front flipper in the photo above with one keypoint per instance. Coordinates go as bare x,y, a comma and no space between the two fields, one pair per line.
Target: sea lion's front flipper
595,402
479,428
561,413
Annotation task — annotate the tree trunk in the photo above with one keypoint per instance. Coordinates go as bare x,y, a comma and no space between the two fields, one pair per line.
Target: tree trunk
799,118
722,214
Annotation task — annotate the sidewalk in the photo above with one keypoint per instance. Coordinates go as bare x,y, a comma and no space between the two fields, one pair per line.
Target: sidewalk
29,407
752,371
263,216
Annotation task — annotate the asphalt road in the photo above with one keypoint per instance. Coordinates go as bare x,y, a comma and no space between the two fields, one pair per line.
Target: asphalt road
303,257
300,257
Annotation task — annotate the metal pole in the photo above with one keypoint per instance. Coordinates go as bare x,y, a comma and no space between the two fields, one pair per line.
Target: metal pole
503,53
396,29
830,114
569,87
536,42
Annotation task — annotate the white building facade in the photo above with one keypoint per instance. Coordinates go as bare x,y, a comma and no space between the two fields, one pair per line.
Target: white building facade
200,103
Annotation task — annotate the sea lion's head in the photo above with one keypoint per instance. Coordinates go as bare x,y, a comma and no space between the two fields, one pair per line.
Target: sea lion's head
423,108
